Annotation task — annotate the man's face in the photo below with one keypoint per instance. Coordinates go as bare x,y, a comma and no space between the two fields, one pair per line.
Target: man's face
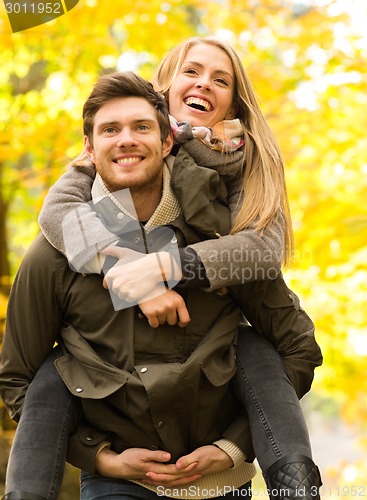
127,148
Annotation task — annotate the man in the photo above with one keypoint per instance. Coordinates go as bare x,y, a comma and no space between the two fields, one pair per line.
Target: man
158,398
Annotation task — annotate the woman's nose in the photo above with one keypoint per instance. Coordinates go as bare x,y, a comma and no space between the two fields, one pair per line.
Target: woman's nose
204,83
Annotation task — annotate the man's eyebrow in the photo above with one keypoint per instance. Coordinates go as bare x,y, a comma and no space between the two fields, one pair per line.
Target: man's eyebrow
106,124
135,121
144,120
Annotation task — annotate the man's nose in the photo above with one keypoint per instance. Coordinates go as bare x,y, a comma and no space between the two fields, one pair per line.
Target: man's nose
126,138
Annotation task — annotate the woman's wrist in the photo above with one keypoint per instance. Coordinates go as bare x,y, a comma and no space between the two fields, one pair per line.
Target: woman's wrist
193,270
170,268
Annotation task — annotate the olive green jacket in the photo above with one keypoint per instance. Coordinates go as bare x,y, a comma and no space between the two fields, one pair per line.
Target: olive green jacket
165,388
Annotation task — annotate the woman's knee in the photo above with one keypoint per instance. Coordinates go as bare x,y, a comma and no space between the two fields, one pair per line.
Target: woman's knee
47,387
251,345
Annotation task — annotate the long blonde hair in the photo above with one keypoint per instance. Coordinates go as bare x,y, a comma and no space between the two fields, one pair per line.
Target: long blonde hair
264,194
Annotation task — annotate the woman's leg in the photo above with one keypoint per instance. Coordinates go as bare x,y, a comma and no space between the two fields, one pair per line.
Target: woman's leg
279,432
37,457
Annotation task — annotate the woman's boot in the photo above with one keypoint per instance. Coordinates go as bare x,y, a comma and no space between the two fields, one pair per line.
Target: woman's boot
293,477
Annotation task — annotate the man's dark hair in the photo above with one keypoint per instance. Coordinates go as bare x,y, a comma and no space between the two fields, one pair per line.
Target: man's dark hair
124,84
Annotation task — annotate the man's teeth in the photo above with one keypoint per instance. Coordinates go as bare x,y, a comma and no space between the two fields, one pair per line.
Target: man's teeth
128,161
196,102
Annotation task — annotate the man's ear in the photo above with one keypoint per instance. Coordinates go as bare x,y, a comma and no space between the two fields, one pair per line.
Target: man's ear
167,145
89,149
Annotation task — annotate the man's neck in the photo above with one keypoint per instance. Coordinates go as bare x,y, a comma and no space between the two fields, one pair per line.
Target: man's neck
146,202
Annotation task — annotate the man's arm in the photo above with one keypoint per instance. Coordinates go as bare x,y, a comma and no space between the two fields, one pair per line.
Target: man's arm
32,324
150,467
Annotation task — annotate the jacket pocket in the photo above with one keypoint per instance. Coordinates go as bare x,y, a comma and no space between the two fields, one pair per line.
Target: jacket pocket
279,295
284,310
87,381
220,367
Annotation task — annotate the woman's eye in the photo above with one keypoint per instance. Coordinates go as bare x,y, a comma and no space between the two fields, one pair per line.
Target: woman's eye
190,71
221,81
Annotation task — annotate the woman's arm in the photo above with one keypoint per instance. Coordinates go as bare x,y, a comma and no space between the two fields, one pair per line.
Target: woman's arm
228,259
243,257
70,223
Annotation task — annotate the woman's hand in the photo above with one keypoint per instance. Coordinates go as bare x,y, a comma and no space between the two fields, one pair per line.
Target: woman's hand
134,276
168,308
138,276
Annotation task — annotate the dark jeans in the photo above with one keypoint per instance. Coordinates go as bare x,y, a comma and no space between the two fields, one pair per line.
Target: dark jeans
95,487
278,427
50,413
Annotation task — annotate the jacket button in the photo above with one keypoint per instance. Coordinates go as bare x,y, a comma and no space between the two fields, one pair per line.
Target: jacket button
160,424
120,215
144,370
154,447
79,389
89,438
137,240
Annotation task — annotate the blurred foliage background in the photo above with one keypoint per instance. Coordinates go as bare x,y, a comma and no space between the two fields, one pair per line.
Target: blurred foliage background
307,62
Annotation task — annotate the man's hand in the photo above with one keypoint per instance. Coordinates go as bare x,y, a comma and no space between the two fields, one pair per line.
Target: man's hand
133,463
208,459
136,463
168,308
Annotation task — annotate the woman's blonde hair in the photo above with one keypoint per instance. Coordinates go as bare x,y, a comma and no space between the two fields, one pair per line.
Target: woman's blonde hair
264,194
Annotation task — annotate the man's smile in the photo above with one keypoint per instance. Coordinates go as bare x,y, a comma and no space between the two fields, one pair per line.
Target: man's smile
128,161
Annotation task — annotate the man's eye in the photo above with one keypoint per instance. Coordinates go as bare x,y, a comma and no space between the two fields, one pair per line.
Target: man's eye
109,130
143,127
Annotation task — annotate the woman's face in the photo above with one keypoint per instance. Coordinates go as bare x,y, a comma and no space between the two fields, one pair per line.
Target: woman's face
202,93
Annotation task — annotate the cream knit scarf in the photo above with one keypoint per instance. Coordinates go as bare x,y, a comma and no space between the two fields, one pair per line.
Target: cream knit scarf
167,210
